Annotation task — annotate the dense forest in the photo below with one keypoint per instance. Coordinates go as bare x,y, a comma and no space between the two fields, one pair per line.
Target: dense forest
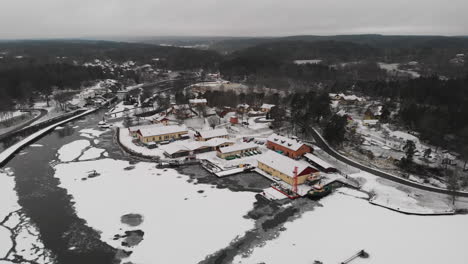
32,68
19,84
344,58
50,51
438,109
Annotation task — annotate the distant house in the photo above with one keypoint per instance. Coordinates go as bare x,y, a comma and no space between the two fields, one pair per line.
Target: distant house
205,135
243,108
282,167
401,138
292,148
373,112
370,122
161,133
266,107
160,119
237,149
87,94
183,110
234,120
198,102
346,99
133,131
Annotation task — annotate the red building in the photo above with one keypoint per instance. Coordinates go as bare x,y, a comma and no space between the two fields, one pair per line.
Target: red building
292,148
234,120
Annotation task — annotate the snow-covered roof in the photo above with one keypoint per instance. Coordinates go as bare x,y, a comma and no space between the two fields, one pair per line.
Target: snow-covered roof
136,128
174,148
221,132
346,97
237,147
192,145
267,106
341,113
318,161
214,142
198,101
370,121
292,144
403,135
243,106
161,130
281,163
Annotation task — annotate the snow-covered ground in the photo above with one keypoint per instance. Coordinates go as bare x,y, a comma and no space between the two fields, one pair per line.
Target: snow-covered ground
394,68
345,225
120,109
52,111
301,62
393,195
183,222
401,198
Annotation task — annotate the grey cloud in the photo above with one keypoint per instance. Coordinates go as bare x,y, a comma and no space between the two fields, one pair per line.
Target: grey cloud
81,18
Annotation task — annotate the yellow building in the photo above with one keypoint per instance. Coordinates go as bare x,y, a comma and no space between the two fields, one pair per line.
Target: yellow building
282,167
161,133
237,149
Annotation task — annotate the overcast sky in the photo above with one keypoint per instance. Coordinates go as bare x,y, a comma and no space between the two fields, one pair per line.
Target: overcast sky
82,18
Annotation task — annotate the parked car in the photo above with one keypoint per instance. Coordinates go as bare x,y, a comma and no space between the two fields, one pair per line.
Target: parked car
151,145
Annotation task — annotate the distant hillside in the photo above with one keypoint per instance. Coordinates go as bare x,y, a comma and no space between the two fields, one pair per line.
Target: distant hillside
85,50
376,41
291,50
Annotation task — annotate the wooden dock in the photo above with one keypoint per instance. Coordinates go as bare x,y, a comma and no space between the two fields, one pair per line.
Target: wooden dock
360,254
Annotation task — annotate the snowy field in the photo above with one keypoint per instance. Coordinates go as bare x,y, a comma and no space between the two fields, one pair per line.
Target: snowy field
394,68
345,225
183,222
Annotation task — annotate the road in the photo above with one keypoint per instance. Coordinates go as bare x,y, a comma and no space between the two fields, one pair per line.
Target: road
321,142
11,132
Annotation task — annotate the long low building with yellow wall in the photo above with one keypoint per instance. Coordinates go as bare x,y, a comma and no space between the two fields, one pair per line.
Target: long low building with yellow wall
161,133
237,149
283,167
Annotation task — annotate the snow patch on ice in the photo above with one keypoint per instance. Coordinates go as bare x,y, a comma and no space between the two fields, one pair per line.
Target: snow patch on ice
72,150
92,153
179,216
93,132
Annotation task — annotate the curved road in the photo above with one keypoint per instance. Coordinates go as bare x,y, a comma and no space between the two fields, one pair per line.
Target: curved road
321,142
43,112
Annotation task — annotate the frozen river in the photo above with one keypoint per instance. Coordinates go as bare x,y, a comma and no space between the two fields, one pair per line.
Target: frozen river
190,216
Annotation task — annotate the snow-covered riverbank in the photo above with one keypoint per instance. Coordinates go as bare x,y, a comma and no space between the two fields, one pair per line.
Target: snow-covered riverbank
345,225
